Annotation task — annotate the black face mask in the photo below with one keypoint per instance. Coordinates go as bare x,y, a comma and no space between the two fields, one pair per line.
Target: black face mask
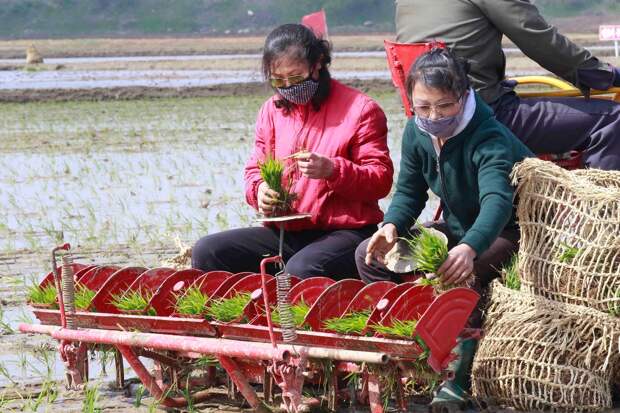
301,93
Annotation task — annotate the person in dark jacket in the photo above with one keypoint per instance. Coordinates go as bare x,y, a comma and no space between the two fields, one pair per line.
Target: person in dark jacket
454,146
474,29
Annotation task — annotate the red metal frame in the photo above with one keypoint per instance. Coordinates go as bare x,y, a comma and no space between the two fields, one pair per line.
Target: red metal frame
242,348
164,300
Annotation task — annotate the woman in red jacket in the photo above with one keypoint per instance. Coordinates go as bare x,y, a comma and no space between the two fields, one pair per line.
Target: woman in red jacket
339,170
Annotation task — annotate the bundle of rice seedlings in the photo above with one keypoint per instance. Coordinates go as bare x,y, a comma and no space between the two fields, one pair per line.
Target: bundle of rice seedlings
511,273
133,301
298,311
83,297
229,309
193,302
42,295
567,253
271,171
399,328
354,322
428,250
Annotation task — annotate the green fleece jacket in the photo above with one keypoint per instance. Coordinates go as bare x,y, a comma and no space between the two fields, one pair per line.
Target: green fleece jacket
471,177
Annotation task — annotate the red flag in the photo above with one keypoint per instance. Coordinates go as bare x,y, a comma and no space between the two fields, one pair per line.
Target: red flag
317,22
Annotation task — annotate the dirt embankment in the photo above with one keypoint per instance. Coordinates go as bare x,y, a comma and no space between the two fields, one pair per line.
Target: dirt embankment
139,92
201,45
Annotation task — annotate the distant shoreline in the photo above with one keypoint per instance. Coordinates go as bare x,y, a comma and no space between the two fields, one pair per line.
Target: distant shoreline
191,45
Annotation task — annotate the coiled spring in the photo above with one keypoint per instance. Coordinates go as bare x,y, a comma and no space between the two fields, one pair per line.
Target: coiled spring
68,289
283,285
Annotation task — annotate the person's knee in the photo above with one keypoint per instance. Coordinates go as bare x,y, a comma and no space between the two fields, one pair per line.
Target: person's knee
365,271
360,253
204,253
305,266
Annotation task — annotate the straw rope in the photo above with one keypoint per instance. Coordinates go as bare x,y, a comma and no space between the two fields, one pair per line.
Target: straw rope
183,259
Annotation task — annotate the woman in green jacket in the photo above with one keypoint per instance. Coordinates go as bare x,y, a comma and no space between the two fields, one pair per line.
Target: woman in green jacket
455,147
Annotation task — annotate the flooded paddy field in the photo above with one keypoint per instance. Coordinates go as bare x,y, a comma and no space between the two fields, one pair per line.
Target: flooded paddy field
124,182
127,180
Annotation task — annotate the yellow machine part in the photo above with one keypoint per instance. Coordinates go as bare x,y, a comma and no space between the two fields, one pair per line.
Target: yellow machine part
565,88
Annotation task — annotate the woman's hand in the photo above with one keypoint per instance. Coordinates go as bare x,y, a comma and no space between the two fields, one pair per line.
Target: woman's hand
459,265
381,243
314,166
267,198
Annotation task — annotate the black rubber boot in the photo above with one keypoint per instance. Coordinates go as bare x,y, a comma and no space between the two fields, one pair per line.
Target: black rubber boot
451,396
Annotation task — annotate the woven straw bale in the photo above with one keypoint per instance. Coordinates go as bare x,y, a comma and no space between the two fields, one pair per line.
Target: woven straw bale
570,233
538,354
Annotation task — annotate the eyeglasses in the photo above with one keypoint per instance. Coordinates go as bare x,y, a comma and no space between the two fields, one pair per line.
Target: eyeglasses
290,81
440,109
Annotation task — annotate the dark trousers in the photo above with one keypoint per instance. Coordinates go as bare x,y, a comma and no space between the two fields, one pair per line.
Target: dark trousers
306,253
486,267
558,125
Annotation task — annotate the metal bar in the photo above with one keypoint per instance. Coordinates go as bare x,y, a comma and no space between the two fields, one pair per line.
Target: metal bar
567,93
204,345
337,354
374,394
236,375
149,382
147,379
164,325
263,272
119,368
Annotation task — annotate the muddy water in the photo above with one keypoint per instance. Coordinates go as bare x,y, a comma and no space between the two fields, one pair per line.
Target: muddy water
20,80
249,56
107,59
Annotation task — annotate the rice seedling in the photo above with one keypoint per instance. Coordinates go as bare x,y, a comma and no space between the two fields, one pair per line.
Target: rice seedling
192,302
42,295
567,253
399,328
299,312
91,398
47,394
4,372
429,282
354,322
206,361
272,170
614,306
428,250
5,327
228,309
83,297
511,273
191,408
139,395
132,301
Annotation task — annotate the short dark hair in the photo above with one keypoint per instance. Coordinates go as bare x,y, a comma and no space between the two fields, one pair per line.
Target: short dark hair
439,68
299,42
